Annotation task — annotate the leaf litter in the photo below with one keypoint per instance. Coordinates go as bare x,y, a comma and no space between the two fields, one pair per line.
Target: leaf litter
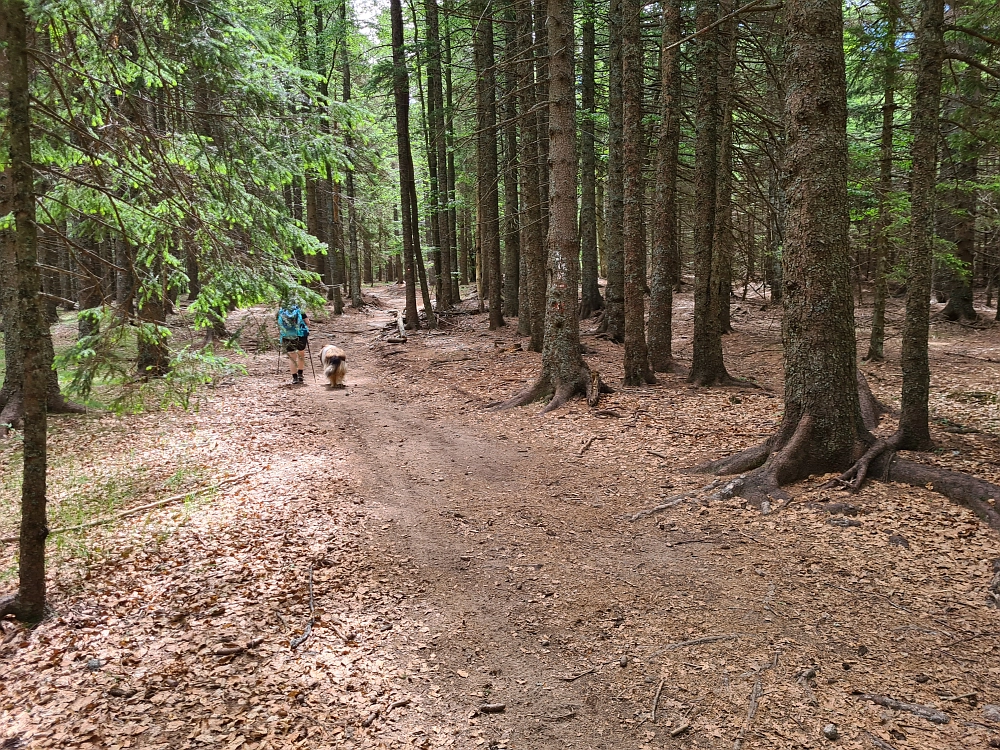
461,559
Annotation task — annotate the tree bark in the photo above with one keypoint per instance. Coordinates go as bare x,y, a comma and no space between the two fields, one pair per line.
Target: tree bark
401,93
613,322
564,373
436,123
353,257
665,242
591,300
511,212
532,239
822,426
637,370
959,169
707,366
876,343
28,604
457,276
722,239
913,421
486,156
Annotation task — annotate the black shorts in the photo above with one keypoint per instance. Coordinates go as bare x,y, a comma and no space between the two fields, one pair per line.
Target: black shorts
297,344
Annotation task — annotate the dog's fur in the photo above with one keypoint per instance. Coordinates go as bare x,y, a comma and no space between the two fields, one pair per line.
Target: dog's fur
334,362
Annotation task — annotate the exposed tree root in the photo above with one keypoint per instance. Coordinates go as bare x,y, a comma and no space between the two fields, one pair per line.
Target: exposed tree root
853,478
561,392
10,606
12,411
871,408
964,489
782,459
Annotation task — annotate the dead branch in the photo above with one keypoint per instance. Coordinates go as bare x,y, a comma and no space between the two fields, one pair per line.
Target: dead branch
877,742
589,441
700,641
296,642
595,387
924,712
656,700
754,701
679,730
675,500
140,509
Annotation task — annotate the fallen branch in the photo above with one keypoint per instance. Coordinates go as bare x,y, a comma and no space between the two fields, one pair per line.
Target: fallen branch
296,642
656,453
656,701
678,731
924,712
140,509
398,704
877,742
593,669
754,701
675,500
590,440
231,649
700,641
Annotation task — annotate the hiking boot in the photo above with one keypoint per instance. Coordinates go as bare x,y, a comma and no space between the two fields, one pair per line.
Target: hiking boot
296,379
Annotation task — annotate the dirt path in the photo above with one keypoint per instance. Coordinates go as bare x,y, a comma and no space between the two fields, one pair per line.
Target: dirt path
461,559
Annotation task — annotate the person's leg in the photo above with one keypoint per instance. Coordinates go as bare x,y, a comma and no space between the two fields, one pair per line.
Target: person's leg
293,360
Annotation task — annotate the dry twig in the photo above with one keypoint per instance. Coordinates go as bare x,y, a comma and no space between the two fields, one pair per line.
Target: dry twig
296,642
924,712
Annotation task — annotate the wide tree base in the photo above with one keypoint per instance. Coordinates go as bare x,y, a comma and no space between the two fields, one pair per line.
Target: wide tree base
12,409
588,382
11,606
766,468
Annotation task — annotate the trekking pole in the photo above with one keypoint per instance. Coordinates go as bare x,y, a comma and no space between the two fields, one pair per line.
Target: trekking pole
311,362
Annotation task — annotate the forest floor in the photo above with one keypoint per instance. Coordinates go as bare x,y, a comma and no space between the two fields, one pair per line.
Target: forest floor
460,560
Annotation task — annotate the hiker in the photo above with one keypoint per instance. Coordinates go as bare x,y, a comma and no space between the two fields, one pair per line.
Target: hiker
293,328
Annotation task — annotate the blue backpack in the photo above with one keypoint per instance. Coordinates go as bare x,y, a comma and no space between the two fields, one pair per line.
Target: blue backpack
290,323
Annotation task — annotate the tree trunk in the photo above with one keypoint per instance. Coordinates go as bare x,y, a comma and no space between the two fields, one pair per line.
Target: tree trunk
439,156
511,214
457,277
722,240
637,370
960,168
564,373
613,322
591,300
401,94
707,366
28,604
486,156
876,342
354,259
665,242
913,421
532,239
822,422
541,59
90,268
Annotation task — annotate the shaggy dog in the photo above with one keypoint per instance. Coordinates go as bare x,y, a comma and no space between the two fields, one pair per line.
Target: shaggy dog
334,363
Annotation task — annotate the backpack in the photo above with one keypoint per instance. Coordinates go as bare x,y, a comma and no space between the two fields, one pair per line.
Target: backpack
290,323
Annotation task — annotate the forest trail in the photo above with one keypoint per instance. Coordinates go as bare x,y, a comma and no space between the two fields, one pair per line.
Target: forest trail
461,558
